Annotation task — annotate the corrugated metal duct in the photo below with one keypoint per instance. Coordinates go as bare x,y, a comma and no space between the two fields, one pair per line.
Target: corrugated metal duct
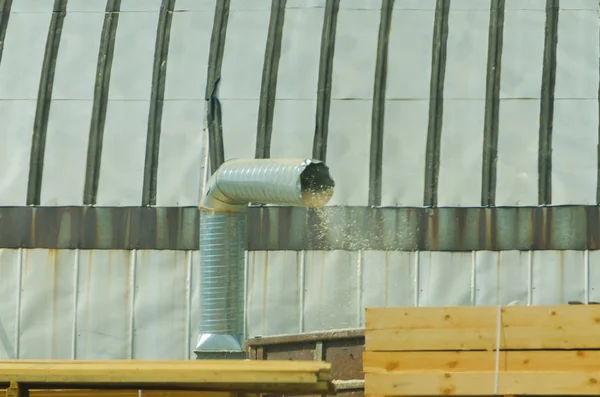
236,183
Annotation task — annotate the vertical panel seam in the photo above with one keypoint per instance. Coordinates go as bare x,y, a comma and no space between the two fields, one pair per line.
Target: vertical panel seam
436,102
213,78
44,100
325,79
159,72
5,7
268,89
100,101
547,104
378,112
492,103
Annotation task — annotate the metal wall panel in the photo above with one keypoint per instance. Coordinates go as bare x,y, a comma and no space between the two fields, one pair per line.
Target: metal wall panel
20,72
502,277
162,295
464,104
85,6
181,156
523,46
47,294
195,5
121,170
144,304
241,72
332,290
558,277
123,153
106,281
445,278
10,296
296,97
140,5
71,107
21,65
593,279
351,103
407,104
389,278
274,282
575,126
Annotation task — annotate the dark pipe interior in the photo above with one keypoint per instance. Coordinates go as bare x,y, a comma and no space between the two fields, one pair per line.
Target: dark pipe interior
316,178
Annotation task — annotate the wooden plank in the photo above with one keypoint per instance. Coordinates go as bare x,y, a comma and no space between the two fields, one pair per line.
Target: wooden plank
127,393
514,360
16,390
517,338
482,317
242,375
483,383
306,337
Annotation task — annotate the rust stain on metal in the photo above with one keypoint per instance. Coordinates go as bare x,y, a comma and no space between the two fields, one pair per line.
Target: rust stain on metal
433,224
32,231
275,228
461,223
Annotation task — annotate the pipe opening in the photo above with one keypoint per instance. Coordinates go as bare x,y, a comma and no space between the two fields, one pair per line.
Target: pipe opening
316,185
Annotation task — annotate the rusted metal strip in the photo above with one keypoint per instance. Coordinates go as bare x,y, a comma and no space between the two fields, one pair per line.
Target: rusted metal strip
105,59
5,7
378,113
215,61
436,102
44,100
492,103
547,104
159,73
298,229
324,82
268,88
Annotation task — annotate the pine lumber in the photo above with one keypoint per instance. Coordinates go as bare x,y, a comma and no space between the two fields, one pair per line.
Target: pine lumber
481,361
431,383
126,393
235,376
475,328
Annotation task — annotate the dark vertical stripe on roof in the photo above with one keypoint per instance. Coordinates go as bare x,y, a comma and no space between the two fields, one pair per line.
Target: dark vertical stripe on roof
598,155
547,104
378,113
44,100
492,103
215,61
5,6
268,89
325,77
105,59
159,72
436,102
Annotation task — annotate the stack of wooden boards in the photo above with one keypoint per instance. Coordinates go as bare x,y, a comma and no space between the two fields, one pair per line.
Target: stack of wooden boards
542,350
240,376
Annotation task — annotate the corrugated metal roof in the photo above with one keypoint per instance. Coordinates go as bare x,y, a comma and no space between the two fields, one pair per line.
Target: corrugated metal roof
501,109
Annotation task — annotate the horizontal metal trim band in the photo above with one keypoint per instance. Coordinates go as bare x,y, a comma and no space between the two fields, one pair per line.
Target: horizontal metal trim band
292,228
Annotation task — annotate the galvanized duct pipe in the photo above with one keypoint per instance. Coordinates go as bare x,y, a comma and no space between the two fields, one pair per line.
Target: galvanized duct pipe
236,183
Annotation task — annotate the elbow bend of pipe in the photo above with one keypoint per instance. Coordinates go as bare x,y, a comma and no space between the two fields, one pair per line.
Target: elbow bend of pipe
293,182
